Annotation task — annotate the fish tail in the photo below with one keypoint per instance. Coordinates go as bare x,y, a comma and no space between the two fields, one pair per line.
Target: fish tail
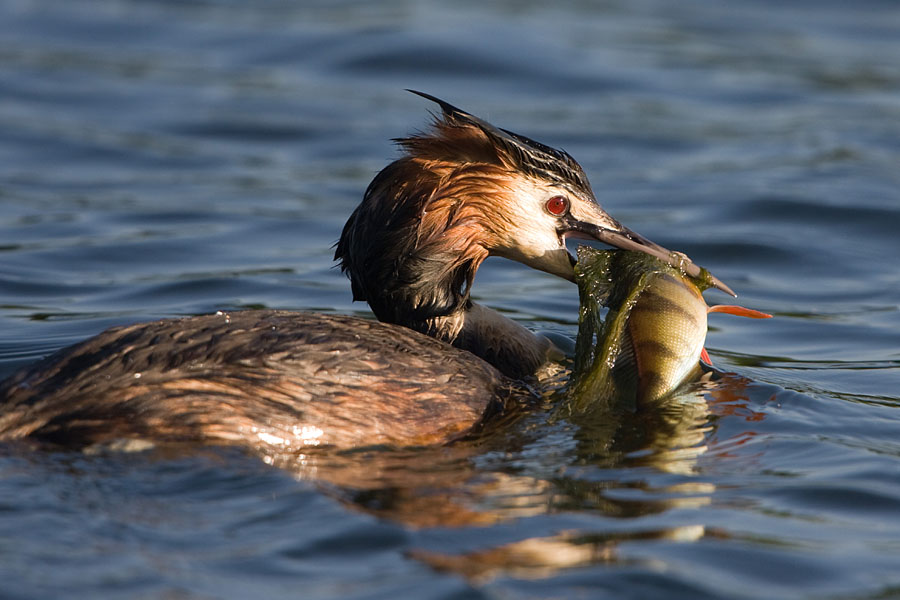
739,311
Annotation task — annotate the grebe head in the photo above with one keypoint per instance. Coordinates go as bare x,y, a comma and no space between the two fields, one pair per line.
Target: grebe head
463,191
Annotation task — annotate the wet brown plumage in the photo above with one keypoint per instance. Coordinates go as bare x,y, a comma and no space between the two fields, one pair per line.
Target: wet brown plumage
275,380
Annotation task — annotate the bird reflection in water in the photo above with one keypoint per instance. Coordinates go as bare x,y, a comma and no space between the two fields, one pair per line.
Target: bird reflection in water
544,466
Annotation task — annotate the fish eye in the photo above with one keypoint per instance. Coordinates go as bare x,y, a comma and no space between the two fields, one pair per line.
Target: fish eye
557,205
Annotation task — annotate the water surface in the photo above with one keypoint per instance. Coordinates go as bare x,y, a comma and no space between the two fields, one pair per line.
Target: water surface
174,158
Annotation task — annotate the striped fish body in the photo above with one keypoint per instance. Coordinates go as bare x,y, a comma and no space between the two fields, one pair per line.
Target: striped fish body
664,335
651,338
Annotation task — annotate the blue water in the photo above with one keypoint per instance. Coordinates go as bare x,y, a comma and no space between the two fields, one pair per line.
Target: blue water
162,158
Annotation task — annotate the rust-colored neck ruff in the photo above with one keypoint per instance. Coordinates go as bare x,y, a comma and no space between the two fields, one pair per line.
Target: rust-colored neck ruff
426,223
411,249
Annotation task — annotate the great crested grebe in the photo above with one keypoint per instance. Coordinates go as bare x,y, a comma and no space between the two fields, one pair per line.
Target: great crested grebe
275,381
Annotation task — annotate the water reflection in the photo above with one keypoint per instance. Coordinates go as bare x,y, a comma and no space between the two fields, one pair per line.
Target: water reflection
538,557
542,465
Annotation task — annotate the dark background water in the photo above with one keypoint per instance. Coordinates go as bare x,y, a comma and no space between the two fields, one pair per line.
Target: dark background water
169,158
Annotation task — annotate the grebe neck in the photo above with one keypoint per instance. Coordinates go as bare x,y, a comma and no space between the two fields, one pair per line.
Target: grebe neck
507,345
411,250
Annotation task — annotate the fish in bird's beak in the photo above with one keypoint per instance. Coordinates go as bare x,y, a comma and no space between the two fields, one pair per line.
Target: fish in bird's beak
603,228
651,339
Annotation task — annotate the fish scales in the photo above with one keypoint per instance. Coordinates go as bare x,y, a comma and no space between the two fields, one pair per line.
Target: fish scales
652,335
668,329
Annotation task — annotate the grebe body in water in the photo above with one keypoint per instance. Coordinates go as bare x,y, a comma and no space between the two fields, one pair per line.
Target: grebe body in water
270,380
274,380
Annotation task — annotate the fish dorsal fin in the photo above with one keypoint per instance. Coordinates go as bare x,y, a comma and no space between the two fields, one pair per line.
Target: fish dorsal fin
740,311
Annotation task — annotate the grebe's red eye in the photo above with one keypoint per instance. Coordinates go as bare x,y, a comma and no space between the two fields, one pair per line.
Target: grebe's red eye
558,205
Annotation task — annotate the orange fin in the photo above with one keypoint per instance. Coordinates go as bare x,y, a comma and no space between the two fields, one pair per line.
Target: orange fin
704,356
739,311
